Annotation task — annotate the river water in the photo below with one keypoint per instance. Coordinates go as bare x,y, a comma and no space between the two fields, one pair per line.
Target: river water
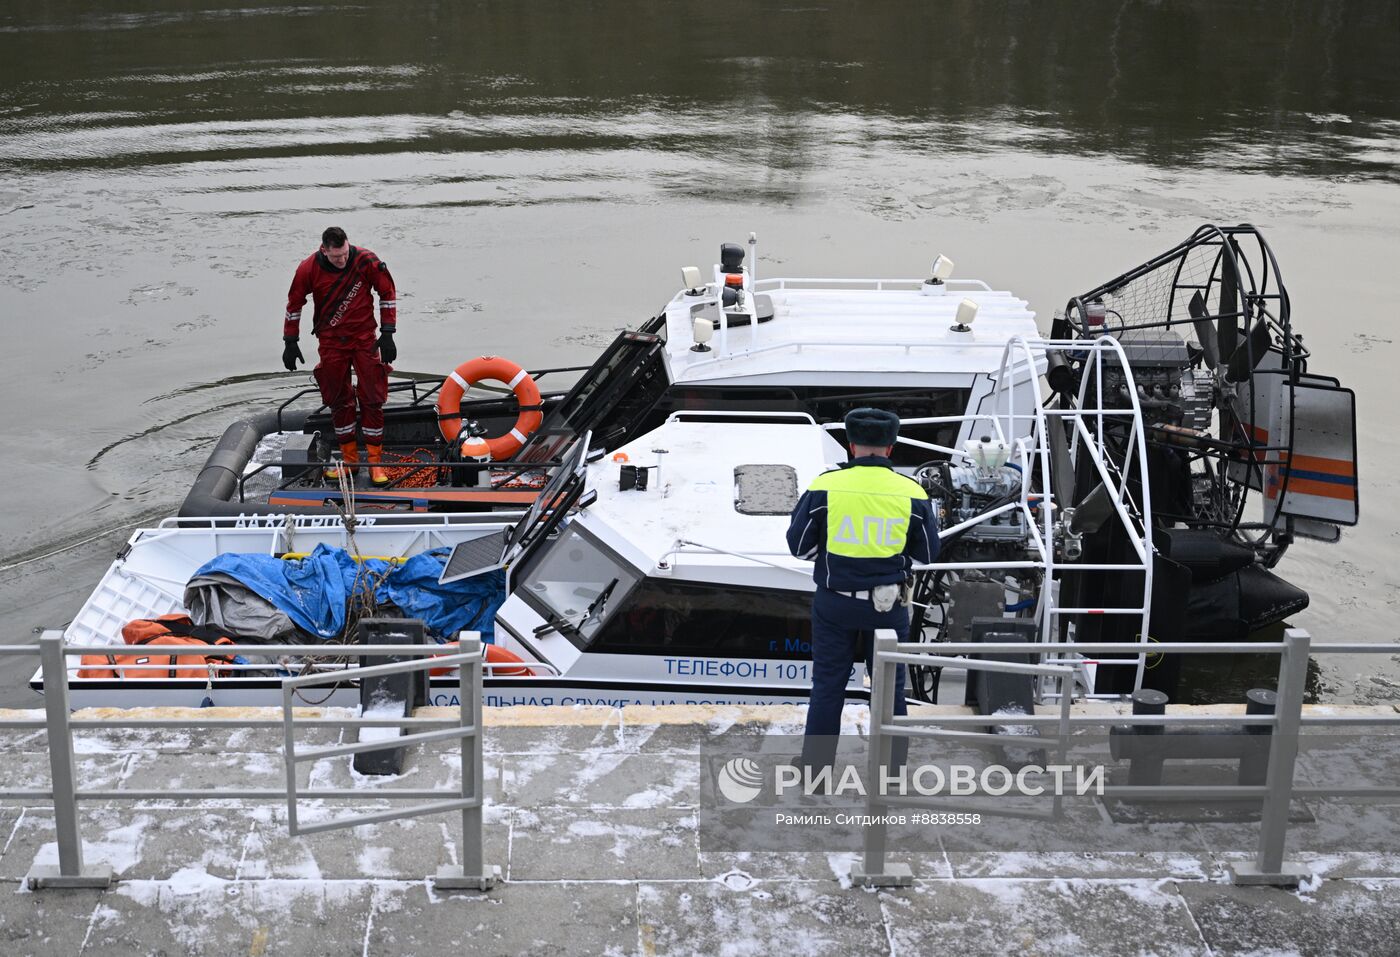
535,172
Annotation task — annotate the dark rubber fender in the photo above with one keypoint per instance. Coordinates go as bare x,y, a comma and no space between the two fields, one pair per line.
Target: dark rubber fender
216,487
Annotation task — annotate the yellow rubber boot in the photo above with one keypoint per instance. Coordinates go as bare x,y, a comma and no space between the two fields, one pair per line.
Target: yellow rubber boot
349,454
377,475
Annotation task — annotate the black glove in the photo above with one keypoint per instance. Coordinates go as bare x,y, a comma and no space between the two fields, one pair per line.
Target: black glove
291,353
387,350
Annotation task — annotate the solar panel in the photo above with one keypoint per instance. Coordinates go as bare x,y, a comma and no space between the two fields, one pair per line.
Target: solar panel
474,557
570,468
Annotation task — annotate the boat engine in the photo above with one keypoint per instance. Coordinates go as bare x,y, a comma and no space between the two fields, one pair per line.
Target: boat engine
1230,409
961,491
1169,390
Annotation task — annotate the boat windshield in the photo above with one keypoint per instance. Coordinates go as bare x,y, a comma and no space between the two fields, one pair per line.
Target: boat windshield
577,582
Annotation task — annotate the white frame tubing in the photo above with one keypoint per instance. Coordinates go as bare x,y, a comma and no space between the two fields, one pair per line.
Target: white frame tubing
1020,366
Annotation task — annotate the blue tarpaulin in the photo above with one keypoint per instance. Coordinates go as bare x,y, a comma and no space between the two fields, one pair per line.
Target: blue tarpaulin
315,591
446,609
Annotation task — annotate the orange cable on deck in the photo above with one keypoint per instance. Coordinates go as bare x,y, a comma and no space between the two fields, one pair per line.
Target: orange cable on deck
418,473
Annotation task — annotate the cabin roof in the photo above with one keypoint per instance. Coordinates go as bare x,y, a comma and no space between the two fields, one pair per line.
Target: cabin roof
694,496
829,330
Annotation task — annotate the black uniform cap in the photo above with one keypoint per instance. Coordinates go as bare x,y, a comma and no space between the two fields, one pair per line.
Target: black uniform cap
872,427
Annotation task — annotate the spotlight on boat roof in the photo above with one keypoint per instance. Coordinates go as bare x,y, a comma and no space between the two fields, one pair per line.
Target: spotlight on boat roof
967,315
702,330
942,272
731,257
690,278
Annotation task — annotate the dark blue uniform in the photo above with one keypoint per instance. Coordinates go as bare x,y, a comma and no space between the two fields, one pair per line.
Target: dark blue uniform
862,525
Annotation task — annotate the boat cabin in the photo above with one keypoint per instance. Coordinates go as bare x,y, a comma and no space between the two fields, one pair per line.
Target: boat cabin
680,556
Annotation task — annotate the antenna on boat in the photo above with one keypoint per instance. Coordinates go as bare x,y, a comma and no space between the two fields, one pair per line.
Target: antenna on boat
753,257
660,454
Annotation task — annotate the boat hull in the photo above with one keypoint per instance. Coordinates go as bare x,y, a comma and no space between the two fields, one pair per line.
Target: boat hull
442,692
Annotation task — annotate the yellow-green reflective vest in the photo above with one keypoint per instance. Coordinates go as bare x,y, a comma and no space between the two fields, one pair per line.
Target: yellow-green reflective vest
867,510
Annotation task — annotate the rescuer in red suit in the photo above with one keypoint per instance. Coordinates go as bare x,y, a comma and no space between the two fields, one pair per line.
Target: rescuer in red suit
339,277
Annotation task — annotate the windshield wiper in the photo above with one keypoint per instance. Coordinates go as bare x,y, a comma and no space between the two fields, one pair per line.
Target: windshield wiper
600,603
555,622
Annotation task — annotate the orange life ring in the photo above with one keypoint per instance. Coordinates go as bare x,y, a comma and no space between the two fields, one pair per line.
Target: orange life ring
495,655
468,374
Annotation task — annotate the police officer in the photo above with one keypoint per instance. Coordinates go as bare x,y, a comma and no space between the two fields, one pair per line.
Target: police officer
863,525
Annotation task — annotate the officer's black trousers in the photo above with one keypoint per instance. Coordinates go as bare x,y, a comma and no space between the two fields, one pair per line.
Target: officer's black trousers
842,630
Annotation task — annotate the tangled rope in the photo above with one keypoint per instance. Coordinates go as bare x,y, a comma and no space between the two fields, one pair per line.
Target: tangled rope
417,472
535,478
362,604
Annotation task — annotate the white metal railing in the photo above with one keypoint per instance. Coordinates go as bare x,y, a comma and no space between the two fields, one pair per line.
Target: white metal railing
866,285
757,335
851,285
684,546
65,793
724,354
798,418
261,522
1026,431
427,530
281,669
1136,522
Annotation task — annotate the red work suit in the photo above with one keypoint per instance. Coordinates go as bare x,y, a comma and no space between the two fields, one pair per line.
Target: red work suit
343,323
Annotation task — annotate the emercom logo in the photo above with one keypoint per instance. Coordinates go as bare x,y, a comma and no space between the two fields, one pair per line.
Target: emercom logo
740,780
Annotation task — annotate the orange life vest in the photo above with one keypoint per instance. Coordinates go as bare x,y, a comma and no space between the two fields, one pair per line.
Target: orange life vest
167,630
